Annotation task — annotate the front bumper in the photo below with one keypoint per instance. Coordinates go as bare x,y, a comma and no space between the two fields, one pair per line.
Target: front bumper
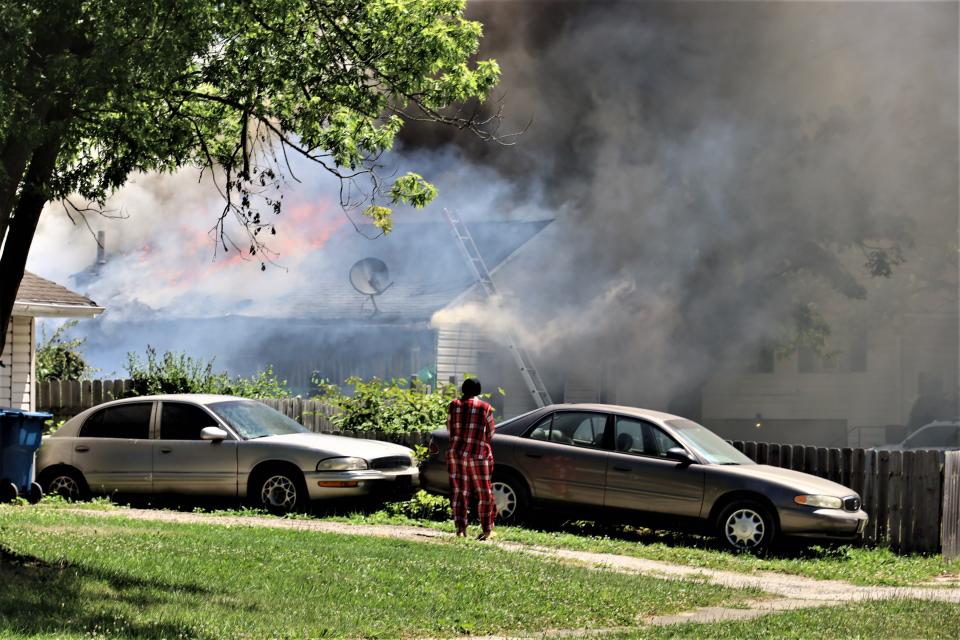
823,523
323,485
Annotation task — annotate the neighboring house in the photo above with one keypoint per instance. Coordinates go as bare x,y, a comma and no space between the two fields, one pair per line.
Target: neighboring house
872,384
36,298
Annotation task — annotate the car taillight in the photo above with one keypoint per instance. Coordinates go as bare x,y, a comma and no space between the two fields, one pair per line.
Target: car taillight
433,448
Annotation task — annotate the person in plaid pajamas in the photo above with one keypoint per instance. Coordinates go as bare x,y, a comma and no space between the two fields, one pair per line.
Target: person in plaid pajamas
470,457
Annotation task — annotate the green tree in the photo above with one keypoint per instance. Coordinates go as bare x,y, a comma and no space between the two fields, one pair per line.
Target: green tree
59,358
92,91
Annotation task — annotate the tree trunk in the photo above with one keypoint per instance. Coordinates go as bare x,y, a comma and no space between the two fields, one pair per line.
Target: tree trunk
23,225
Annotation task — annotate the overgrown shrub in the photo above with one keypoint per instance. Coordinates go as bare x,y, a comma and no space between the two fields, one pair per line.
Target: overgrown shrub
422,506
394,406
61,359
180,373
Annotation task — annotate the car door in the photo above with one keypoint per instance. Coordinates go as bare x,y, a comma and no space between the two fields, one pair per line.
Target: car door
113,450
641,478
564,459
185,464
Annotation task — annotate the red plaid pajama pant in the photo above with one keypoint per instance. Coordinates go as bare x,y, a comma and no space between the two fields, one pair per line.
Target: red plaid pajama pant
471,475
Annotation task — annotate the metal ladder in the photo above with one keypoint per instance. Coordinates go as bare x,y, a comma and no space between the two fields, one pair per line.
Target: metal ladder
529,373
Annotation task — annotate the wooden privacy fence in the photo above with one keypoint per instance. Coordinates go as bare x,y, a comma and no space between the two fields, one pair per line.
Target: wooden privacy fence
902,491
66,398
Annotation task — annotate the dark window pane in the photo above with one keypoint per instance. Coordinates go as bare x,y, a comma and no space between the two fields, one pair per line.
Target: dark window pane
858,350
630,435
183,421
582,429
662,442
765,359
542,430
121,421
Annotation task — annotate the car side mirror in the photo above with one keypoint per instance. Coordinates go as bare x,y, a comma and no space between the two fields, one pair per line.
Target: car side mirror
680,455
213,433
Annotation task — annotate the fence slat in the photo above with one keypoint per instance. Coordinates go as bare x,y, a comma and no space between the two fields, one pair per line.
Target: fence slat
883,490
895,500
950,528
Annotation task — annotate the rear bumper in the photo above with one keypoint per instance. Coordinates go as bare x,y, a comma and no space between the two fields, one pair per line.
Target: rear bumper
435,477
324,485
823,523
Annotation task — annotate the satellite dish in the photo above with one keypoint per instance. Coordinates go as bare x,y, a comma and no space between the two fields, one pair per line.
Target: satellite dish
370,277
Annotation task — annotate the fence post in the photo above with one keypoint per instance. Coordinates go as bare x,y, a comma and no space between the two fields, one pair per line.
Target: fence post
950,527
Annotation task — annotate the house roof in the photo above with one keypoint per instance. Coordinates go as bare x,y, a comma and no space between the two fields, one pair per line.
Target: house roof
426,268
41,297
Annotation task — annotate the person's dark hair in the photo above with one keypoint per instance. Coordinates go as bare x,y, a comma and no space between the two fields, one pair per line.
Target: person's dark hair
471,388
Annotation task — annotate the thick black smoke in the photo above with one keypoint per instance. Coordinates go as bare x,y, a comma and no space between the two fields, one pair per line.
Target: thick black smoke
713,166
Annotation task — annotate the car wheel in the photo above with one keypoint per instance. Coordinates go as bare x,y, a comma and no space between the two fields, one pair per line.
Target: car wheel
281,492
66,483
746,525
511,498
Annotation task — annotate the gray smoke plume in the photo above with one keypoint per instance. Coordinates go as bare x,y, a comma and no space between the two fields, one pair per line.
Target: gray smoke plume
713,165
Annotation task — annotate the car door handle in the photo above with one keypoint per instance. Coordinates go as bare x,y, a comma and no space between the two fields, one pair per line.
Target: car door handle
80,448
534,455
165,450
624,469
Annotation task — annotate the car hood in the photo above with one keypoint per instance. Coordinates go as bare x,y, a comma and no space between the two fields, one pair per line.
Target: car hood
801,482
336,445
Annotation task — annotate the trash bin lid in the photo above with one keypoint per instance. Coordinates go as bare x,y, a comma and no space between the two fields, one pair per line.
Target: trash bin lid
10,412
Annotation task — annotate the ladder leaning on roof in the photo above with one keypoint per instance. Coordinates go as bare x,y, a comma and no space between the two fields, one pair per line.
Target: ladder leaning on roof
529,373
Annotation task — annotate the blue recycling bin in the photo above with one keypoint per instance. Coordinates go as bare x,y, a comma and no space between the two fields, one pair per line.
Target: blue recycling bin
21,433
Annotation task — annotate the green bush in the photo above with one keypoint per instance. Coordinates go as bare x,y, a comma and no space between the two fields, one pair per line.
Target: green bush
179,373
422,506
60,359
394,406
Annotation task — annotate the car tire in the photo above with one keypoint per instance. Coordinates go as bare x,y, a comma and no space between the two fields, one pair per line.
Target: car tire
66,483
511,496
280,491
746,526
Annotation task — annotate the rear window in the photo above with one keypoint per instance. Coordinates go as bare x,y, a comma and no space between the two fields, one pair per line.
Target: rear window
121,421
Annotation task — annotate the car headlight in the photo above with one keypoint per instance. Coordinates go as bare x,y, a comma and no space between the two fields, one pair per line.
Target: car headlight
822,502
342,464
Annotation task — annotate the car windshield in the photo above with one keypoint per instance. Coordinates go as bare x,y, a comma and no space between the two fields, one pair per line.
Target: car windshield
708,444
255,420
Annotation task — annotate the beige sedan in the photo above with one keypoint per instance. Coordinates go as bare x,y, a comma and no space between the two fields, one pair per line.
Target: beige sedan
215,446
630,464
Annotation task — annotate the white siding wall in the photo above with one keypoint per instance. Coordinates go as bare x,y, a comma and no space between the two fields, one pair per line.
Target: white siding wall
457,349
17,378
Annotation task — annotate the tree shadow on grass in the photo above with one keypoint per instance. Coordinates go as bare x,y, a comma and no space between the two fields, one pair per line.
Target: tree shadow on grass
38,597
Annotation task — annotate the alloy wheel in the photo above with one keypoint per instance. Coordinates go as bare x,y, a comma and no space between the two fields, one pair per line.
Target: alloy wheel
279,492
505,499
65,487
744,529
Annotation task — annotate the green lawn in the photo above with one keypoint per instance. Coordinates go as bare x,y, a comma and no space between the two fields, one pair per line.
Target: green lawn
910,619
859,565
72,576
